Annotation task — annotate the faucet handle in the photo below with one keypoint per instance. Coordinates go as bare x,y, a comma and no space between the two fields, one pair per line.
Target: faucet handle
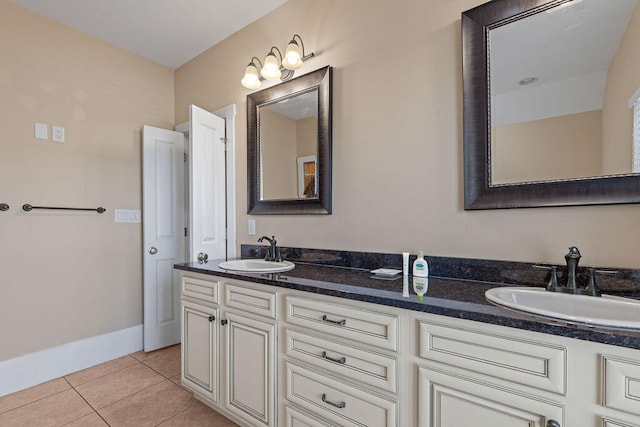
591,288
552,285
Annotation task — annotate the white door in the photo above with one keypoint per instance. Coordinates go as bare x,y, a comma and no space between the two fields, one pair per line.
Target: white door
207,184
163,225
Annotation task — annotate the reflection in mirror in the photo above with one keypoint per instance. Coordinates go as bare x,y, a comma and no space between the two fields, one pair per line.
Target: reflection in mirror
289,147
551,111
560,97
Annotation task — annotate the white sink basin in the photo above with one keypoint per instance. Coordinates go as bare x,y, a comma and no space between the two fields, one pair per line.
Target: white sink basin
257,266
606,311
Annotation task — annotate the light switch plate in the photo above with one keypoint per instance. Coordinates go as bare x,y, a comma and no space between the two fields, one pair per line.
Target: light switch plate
252,227
41,131
127,215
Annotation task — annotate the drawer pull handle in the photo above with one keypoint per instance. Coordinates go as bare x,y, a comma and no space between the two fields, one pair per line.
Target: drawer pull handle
335,322
553,423
342,360
337,405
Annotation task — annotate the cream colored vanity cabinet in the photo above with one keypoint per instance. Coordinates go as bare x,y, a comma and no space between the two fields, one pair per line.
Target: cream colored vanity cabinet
229,348
469,371
341,363
200,331
466,374
620,393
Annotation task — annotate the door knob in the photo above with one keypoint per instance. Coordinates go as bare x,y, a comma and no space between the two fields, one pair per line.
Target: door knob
553,423
153,250
203,257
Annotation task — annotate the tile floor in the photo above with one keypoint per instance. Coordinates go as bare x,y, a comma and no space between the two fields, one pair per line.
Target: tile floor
141,389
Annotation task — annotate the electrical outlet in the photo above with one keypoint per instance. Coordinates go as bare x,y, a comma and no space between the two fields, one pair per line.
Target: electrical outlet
57,133
252,227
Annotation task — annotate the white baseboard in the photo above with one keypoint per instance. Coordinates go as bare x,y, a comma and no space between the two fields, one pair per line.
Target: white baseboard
36,368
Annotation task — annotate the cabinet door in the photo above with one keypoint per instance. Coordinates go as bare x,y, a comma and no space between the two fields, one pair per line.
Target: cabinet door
447,399
251,366
200,349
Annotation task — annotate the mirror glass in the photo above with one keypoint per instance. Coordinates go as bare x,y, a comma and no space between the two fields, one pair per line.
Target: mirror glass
289,147
550,103
562,92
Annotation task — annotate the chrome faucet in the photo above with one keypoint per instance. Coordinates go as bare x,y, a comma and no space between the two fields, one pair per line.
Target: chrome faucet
273,252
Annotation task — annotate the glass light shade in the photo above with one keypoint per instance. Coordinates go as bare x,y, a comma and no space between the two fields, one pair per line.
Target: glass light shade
293,56
271,68
251,79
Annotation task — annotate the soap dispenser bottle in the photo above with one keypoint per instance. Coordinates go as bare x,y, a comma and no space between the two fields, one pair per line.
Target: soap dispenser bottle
420,266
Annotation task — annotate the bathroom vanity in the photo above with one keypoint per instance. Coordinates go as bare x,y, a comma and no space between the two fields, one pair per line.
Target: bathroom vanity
328,346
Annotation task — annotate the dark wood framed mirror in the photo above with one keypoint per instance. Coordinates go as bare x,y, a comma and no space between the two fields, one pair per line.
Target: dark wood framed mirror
289,146
490,66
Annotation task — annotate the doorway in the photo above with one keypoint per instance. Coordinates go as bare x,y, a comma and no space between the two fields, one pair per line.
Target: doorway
199,215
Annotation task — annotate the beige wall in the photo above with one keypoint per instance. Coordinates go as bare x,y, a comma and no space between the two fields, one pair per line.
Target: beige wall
561,147
278,153
307,136
623,79
65,276
397,139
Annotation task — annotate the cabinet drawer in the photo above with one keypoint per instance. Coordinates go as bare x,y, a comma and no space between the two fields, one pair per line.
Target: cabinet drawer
251,300
621,384
343,321
338,402
606,422
297,418
204,290
360,365
525,362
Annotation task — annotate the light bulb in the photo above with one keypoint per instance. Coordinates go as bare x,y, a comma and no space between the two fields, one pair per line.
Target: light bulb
292,57
251,79
271,67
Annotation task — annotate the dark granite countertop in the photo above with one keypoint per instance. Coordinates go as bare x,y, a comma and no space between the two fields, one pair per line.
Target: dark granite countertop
459,298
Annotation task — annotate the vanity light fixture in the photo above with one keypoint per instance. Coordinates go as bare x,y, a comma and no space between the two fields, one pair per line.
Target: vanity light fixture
276,66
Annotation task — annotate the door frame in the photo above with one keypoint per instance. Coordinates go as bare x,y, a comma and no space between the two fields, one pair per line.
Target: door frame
228,113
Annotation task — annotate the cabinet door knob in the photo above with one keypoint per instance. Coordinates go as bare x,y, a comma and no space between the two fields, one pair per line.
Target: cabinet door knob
224,322
212,318
553,423
153,250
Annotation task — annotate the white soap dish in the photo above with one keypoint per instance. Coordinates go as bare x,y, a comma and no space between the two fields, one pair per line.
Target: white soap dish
388,272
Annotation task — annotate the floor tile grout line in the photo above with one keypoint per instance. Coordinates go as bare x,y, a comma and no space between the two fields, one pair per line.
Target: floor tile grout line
37,400
87,402
101,376
130,395
175,415
158,372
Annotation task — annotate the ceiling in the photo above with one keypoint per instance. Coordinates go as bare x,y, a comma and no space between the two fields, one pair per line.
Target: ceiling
169,32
